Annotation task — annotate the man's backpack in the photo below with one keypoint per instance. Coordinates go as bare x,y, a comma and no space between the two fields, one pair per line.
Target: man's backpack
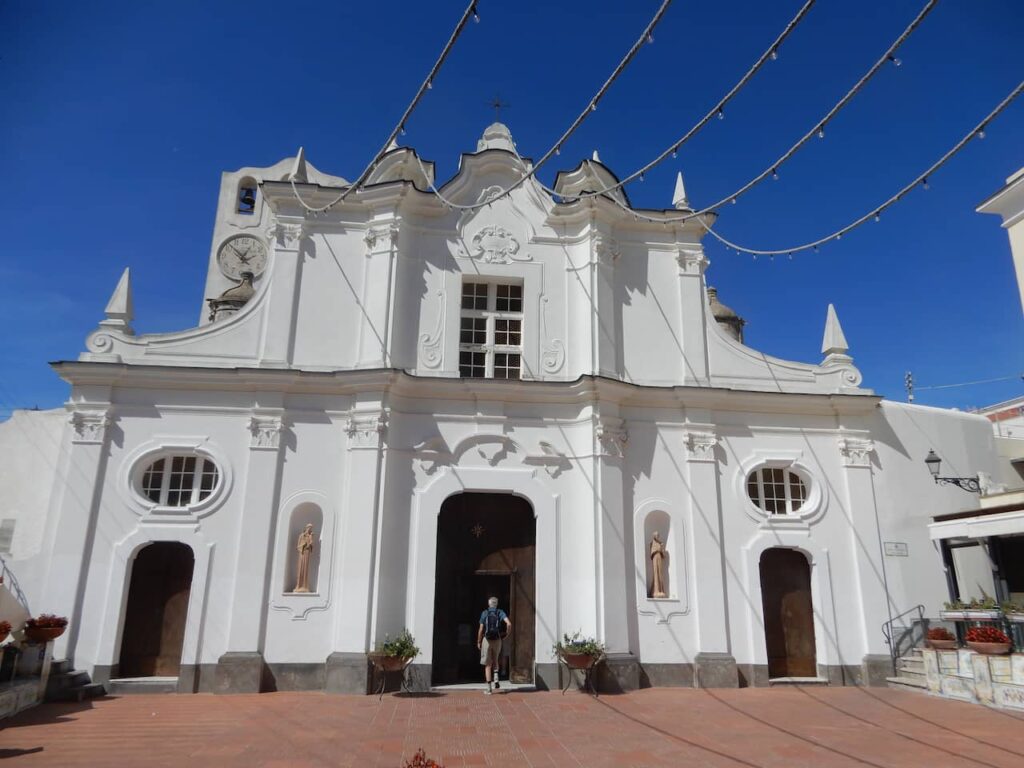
492,624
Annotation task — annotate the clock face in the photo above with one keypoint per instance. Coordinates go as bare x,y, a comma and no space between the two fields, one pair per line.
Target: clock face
242,253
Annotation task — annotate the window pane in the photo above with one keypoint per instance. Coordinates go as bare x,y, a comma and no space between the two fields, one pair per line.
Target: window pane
474,295
183,470
797,490
509,298
208,479
506,366
473,330
472,365
508,333
152,480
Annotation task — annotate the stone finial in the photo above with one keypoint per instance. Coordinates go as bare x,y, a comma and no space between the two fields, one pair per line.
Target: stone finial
595,157
496,136
299,172
834,341
119,310
679,201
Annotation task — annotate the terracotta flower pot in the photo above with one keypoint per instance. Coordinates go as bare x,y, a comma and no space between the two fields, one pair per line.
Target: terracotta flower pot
942,645
995,649
389,663
43,634
578,660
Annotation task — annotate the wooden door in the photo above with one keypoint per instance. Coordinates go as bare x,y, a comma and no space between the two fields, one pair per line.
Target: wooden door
788,613
154,622
485,547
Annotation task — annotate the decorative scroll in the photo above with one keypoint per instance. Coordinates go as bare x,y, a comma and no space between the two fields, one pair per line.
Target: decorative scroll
553,351
430,343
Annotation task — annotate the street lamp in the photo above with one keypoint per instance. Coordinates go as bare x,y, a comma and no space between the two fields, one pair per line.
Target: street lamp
933,462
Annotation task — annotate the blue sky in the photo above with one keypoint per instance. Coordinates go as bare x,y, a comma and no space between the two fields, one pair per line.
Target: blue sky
117,118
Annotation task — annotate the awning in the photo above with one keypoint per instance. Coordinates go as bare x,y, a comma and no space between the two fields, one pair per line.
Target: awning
979,524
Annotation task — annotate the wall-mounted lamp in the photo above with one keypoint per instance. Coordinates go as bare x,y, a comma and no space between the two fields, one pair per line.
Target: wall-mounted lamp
933,462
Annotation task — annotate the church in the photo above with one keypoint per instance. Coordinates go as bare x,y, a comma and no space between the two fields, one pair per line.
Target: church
401,402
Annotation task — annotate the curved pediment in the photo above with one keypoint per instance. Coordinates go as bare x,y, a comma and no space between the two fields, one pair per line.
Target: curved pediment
589,176
403,164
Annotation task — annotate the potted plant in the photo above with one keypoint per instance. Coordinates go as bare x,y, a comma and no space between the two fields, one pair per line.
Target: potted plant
983,608
988,640
5,630
955,610
393,655
941,639
44,628
579,652
1013,612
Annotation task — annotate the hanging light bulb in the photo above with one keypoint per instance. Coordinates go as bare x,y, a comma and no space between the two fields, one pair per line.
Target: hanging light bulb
641,177
790,254
675,152
775,174
981,133
924,183
721,114
774,55
821,132
816,249
558,150
593,106
650,39
896,61
476,16
401,130
839,236
430,85
733,201
878,217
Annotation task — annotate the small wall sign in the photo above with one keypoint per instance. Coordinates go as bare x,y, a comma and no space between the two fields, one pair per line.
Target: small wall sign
896,549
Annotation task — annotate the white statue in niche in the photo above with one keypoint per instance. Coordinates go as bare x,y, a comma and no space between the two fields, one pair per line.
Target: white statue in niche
658,553
305,549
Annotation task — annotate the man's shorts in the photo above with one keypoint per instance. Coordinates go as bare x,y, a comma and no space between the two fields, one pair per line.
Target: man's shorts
490,650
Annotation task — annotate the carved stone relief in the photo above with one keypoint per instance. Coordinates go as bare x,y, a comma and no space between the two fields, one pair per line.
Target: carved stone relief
691,262
553,350
700,445
430,343
856,452
266,432
89,426
366,430
494,244
611,437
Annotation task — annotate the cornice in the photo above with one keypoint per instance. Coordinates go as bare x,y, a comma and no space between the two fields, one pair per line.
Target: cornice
583,391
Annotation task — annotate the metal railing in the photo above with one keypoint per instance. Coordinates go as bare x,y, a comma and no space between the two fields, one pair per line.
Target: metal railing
8,579
907,635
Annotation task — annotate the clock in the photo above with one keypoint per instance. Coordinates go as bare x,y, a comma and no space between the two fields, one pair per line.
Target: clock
242,253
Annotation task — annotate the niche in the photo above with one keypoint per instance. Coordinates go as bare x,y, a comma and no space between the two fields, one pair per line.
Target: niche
245,202
306,513
659,522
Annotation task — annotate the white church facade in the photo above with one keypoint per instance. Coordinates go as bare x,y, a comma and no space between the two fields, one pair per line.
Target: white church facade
510,400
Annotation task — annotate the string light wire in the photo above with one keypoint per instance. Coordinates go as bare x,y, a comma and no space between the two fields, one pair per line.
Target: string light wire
467,15
976,132
645,38
818,127
770,54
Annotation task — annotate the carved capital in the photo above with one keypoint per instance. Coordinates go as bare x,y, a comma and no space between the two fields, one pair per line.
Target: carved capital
611,438
266,432
856,452
366,430
691,262
700,445
386,235
286,234
606,250
90,426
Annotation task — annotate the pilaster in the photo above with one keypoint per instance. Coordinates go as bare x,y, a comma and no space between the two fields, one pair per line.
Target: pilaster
610,443
240,669
692,319
715,666
89,427
377,294
287,236
604,257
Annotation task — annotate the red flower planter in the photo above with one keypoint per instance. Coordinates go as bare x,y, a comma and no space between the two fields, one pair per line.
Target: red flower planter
43,634
389,663
942,645
578,660
993,649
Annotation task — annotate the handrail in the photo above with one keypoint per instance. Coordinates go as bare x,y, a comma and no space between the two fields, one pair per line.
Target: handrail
888,626
8,578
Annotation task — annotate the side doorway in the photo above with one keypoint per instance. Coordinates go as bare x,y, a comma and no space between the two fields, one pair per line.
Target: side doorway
154,622
788,613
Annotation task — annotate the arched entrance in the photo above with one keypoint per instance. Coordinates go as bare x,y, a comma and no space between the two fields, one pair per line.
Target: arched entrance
486,545
154,622
788,613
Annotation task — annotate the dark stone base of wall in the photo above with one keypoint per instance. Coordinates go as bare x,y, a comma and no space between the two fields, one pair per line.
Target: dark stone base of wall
875,668
294,677
666,675
239,672
547,677
619,673
715,670
347,673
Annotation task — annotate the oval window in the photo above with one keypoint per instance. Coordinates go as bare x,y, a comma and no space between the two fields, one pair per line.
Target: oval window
776,490
179,481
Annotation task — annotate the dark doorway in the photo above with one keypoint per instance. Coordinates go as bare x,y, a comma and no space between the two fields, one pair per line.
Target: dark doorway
788,613
486,546
154,622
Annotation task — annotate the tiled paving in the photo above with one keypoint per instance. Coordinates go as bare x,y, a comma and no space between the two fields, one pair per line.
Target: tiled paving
790,728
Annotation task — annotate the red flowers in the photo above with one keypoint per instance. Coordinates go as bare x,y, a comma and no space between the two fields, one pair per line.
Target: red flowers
420,760
46,621
940,633
986,635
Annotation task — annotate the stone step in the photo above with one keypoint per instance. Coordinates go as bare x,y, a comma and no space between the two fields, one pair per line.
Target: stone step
906,681
65,680
910,665
798,681
131,685
59,667
79,693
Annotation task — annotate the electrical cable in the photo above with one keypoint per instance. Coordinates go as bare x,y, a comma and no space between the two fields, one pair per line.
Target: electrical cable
469,13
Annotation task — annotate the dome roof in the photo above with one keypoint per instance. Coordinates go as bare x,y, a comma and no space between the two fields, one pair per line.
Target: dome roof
724,316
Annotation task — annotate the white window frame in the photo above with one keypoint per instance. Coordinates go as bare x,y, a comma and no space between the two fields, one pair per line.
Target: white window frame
816,496
788,474
491,315
165,481
134,467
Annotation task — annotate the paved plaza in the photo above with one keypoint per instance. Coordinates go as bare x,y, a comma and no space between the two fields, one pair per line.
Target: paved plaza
791,727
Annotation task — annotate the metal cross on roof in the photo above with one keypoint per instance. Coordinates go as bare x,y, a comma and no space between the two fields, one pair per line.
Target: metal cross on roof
497,103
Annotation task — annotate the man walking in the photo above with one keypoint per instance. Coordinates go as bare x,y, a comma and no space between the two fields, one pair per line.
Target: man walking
488,640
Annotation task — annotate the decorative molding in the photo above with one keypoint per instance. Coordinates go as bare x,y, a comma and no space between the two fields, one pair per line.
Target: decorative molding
286,234
856,452
375,234
553,350
813,507
367,429
554,461
430,343
266,432
494,244
700,445
90,426
606,249
611,438
691,262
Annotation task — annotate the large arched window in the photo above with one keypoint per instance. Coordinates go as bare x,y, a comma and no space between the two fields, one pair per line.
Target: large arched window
777,490
179,481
